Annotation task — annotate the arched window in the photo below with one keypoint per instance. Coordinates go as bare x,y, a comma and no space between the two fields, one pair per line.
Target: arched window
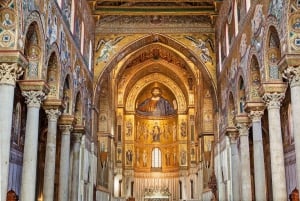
82,38
220,56
156,158
90,55
59,2
236,14
248,5
72,20
227,39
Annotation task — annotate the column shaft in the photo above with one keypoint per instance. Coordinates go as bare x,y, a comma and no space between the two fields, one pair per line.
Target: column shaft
293,75
63,191
49,172
295,99
259,163
9,73
235,171
245,166
276,148
28,184
30,155
75,167
6,108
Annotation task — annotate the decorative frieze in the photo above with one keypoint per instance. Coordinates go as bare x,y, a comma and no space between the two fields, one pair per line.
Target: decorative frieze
9,73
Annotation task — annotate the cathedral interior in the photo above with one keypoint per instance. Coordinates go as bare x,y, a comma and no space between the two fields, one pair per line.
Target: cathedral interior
149,100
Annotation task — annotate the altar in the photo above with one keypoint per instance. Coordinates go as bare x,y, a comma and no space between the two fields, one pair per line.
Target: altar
155,194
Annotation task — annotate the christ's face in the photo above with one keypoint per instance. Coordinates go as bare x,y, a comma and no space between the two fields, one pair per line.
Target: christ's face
156,92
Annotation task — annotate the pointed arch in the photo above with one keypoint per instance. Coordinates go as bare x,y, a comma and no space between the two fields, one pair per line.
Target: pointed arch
170,42
231,110
33,51
254,79
78,109
272,54
53,73
241,95
67,95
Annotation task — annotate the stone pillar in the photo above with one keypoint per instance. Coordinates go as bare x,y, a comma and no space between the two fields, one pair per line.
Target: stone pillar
65,125
293,75
258,156
49,172
242,124
8,75
235,180
75,164
273,101
28,185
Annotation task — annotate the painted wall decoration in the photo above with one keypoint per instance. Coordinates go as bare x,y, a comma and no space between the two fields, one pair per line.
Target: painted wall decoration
77,31
156,105
202,45
276,8
257,27
244,51
106,48
52,25
64,47
160,130
8,22
66,10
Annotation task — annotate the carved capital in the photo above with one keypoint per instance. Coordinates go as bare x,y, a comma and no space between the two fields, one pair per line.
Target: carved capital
243,128
66,129
256,115
53,114
9,73
76,137
233,134
293,75
34,98
273,100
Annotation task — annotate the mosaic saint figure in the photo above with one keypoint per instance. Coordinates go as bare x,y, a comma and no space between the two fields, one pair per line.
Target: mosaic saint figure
7,21
156,105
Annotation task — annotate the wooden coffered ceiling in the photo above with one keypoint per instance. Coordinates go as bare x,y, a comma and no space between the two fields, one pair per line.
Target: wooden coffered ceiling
207,8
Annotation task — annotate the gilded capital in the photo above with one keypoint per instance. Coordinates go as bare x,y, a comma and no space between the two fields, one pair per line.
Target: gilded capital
9,73
34,98
273,100
292,74
256,115
53,114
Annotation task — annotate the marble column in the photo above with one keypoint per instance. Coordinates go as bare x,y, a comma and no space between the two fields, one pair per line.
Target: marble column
75,166
8,75
273,101
293,75
63,189
245,176
28,185
258,156
233,136
49,172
